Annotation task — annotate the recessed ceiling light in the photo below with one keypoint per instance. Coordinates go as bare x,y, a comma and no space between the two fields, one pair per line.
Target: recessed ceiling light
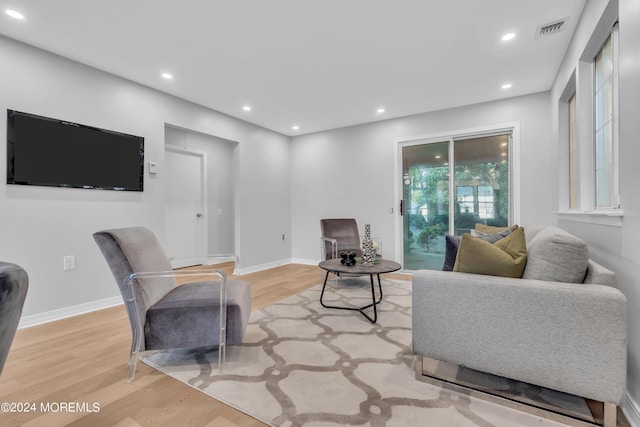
508,36
380,110
167,76
295,127
15,14
246,108
506,86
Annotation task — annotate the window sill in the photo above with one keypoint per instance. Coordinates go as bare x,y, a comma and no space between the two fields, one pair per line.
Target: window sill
609,218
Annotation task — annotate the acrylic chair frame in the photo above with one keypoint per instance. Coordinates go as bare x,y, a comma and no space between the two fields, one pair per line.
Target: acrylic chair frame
133,309
334,247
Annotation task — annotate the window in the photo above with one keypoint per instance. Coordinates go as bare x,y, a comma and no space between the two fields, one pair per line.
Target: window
485,201
573,154
465,199
605,124
477,199
589,186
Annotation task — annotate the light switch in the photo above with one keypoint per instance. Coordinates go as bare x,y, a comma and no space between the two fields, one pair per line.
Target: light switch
153,167
69,262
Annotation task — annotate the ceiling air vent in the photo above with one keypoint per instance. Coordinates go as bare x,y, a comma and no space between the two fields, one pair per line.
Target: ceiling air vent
551,28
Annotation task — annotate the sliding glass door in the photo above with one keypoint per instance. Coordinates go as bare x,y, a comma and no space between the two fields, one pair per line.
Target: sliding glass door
425,180
434,204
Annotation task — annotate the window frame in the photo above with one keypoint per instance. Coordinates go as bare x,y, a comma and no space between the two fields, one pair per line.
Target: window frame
614,176
582,81
573,160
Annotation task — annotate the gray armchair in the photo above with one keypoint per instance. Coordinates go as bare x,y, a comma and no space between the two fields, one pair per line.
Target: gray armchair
13,291
339,234
164,315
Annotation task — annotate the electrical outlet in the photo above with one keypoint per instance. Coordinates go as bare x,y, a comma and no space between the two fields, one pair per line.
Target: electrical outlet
69,262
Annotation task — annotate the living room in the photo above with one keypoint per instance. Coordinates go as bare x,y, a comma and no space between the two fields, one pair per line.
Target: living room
296,180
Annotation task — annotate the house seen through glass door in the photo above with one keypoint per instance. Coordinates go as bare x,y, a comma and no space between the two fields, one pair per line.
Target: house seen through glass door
435,204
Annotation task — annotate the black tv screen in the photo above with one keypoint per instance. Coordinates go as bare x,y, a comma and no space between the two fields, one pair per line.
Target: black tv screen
52,152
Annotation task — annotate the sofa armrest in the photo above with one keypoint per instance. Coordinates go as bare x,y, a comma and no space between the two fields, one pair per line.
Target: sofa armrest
567,337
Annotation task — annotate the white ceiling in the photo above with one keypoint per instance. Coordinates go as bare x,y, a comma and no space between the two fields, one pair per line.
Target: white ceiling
319,64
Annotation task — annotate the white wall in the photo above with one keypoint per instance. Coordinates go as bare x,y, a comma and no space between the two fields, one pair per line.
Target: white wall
40,225
349,172
615,247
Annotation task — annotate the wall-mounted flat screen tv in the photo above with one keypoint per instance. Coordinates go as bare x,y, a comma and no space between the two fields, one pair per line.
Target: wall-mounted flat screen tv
51,152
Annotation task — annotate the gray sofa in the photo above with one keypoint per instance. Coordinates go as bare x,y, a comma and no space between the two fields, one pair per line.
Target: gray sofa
570,337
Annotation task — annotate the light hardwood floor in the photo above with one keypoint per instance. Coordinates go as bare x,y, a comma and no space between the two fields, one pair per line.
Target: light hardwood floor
83,359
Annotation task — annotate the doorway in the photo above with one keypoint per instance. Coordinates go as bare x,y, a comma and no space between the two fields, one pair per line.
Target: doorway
219,160
448,185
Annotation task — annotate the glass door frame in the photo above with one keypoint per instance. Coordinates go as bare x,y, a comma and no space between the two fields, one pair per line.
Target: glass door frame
514,171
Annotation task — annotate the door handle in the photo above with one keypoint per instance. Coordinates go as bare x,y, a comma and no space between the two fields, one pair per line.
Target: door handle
199,215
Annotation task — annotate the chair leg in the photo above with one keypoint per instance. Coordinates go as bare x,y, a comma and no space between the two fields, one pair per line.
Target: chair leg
418,362
222,356
610,414
133,361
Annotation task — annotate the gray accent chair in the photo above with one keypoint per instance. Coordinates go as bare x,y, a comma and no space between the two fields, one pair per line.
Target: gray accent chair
164,315
568,335
14,283
337,235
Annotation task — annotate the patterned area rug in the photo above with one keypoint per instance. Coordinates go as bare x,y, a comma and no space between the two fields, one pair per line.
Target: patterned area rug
306,365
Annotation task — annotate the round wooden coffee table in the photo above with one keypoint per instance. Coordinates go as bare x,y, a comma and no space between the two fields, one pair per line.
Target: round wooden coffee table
335,266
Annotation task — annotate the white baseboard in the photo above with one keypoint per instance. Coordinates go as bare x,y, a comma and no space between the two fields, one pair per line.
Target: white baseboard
261,267
305,261
62,313
631,410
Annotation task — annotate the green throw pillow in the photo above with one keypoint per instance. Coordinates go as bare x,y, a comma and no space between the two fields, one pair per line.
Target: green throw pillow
488,229
507,257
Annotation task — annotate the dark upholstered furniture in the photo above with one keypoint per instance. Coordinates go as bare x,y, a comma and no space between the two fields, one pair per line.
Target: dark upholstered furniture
339,234
163,315
13,291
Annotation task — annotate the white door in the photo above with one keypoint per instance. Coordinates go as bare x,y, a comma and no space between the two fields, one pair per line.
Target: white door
185,222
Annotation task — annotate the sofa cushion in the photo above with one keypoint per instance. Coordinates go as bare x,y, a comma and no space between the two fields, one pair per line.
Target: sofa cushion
451,250
489,229
530,231
507,257
555,255
453,242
